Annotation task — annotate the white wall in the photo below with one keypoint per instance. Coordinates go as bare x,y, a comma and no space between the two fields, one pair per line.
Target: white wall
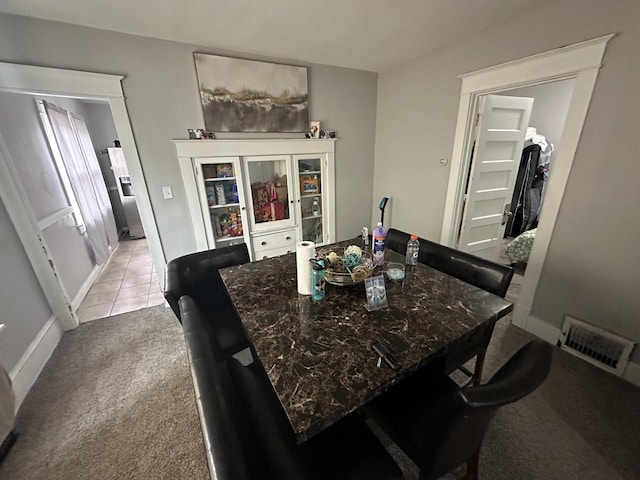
591,270
163,101
23,307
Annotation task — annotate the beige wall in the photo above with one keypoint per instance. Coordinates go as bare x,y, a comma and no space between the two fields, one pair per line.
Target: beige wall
592,268
163,101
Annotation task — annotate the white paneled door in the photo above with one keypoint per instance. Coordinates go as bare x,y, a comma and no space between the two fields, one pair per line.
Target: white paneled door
500,132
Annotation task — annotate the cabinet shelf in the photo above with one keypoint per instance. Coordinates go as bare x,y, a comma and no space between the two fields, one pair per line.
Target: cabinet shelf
311,172
226,205
311,217
229,239
310,195
218,179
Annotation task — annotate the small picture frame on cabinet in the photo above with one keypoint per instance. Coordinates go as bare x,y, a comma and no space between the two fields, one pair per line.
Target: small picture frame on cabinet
328,134
314,129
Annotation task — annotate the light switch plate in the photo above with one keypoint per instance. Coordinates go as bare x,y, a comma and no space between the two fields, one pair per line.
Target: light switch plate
167,193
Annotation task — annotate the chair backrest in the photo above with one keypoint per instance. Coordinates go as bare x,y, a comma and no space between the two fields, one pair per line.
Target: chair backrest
482,273
466,414
197,275
397,241
226,435
490,276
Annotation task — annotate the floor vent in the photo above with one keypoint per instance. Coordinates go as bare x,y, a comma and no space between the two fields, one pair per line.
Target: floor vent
596,345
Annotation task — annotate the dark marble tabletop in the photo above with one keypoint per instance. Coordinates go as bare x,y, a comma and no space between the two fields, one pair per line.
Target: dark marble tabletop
319,356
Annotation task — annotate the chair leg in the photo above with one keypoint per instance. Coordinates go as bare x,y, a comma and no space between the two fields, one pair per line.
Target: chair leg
477,372
472,466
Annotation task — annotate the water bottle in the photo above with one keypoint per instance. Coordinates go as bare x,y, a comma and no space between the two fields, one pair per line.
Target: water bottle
413,247
317,279
365,239
377,250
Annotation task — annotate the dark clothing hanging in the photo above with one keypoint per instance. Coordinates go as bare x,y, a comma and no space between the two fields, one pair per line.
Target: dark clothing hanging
527,193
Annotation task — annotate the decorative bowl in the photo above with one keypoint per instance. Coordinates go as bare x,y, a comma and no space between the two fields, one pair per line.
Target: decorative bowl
337,273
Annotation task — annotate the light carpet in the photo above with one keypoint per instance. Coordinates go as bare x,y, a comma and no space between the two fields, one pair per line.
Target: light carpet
115,401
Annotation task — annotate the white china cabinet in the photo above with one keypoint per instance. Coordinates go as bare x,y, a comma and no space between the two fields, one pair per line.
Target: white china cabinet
268,194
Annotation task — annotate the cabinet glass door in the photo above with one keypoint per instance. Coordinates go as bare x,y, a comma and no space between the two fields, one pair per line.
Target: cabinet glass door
222,196
269,192
312,206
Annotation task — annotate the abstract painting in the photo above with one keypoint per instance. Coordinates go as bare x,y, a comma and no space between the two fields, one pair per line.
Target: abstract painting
250,96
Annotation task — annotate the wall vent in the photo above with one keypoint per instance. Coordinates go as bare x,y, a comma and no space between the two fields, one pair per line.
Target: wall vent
595,345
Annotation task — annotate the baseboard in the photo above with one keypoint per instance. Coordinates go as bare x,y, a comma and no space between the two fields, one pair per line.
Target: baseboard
88,283
26,371
632,373
86,286
542,329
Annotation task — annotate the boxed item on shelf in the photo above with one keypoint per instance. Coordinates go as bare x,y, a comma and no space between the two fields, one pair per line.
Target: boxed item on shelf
277,210
309,185
224,170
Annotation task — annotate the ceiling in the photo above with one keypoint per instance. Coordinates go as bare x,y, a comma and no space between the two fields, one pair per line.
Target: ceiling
372,35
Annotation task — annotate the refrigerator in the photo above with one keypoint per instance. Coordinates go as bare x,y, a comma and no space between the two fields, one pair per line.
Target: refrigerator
125,190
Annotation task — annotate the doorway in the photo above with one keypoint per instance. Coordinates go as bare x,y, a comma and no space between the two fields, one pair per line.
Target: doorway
65,166
550,108
580,62
81,85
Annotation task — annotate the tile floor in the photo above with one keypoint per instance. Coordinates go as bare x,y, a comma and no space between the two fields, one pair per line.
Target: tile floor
127,283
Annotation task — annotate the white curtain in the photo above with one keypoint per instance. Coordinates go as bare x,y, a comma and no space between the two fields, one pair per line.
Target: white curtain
80,180
95,175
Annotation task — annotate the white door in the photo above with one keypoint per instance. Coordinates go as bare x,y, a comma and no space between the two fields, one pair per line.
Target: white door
269,192
500,133
221,193
311,197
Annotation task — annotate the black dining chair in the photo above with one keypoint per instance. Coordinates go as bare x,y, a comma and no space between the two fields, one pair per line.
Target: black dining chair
440,425
479,272
196,275
397,241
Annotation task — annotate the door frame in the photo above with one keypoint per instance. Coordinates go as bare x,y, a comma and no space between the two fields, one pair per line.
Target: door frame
27,79
580,61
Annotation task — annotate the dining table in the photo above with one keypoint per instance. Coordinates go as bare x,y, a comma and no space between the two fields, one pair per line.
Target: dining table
319,355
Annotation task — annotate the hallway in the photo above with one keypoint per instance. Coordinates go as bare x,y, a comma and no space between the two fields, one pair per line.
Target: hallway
127,283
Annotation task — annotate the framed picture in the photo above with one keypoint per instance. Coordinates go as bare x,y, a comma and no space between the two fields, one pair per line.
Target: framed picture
376,293
249,96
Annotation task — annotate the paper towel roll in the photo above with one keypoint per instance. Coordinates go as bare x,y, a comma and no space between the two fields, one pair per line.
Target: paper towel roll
304,252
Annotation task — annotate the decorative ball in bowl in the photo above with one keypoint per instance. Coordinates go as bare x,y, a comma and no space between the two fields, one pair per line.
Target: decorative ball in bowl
349,267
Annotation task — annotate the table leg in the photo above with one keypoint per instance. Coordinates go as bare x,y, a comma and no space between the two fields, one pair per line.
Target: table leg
477,371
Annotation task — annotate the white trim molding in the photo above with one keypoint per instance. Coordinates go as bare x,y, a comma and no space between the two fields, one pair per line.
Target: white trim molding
27,79
57,81
580,61
28,368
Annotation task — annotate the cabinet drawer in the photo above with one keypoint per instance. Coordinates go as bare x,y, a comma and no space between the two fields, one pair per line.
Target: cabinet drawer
270,241
273,252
